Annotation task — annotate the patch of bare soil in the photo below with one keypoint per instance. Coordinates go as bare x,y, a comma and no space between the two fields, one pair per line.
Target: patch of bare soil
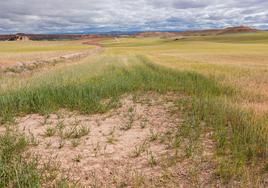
131,146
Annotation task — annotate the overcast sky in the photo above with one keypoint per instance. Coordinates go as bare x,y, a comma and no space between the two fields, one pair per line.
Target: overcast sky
53,16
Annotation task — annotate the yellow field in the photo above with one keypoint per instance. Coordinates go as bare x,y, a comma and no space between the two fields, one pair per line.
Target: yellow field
242,62
15,52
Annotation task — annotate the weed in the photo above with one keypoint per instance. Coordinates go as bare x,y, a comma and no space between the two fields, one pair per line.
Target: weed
50,170
131,110
126,127
33,140
176,142
151,159
138,179
143,123
139,150
266,167
76,132
189,151
46,118
153,135
50,132
60,129
48,144
75,142
130,122
96,149
111,139
61,143
60,125
77,158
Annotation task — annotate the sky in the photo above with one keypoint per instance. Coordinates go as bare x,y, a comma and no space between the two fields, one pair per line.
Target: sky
86,16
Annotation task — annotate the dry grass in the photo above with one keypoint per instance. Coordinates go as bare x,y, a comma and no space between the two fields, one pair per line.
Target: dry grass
17,53
241,62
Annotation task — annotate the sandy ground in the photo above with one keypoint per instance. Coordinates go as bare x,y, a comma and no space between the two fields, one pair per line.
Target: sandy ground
130,146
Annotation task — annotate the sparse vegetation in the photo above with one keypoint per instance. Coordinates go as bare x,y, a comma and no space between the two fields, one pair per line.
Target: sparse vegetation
143,124
76,132
77,158
153,135
50,132
111,139
151,159
138,150
75,142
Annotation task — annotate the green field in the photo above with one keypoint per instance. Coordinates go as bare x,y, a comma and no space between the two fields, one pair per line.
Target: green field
220,88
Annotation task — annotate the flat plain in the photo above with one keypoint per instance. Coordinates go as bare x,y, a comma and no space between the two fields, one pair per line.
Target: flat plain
135,112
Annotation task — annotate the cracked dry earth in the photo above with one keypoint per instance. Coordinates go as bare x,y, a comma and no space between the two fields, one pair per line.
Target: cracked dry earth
130,146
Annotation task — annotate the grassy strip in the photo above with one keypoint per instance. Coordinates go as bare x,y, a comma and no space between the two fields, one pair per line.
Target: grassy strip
87,95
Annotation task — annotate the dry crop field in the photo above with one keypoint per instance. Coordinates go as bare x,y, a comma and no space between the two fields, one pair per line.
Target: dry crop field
17,53
135,112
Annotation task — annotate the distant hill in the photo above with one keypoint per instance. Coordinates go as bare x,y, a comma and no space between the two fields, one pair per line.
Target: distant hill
229,30
240,29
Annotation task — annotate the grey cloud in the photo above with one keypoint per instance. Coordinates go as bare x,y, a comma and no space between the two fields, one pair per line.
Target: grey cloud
35,16
190,4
